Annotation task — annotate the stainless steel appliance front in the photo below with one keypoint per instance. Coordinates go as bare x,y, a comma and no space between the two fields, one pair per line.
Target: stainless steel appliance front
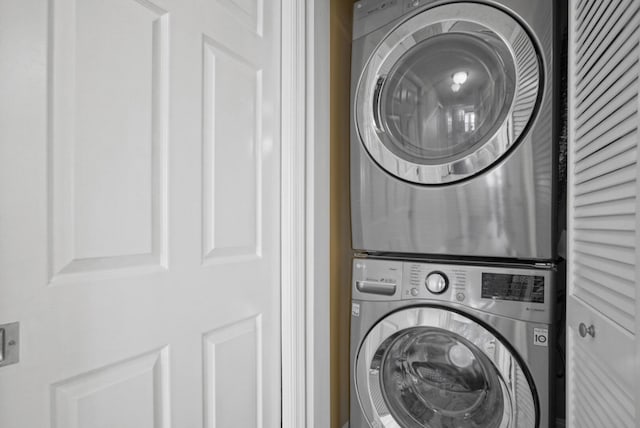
452,139
475,353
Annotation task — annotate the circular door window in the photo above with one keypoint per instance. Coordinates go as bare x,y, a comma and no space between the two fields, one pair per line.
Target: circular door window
442,99
429,368
431,377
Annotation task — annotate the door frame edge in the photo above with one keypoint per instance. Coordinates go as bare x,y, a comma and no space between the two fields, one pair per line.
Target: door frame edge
305,214
569,360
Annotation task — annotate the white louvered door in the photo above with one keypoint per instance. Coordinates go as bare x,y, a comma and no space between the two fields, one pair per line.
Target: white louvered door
603,213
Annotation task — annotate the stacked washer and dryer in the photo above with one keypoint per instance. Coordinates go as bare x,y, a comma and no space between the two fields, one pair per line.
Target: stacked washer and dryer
453,206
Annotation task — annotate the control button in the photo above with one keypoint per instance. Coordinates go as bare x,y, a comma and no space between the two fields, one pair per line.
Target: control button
460,297
414,292
437,282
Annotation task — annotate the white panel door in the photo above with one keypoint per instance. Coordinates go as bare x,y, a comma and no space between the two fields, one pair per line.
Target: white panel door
603,214
139,213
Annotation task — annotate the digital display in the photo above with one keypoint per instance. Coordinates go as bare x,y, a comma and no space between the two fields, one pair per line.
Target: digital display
517,288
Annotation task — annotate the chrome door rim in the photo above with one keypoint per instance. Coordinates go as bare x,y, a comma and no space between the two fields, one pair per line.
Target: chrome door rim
399,41
511,374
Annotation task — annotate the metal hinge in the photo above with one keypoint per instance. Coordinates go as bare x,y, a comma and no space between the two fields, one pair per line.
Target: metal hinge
545,265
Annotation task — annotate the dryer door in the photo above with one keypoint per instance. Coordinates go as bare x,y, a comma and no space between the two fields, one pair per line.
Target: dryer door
447,93
431,367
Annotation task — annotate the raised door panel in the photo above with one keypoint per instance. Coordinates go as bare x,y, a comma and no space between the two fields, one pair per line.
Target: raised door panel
108,119
232,181
233,375
129,394
603,213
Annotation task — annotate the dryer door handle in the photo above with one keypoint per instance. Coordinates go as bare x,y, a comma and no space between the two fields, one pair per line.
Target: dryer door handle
375,287
376,103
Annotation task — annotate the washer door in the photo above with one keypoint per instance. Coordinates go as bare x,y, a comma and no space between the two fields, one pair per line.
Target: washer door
430,367
447,93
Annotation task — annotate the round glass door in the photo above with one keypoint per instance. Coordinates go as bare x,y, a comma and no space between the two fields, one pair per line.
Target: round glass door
446,96
429,367
442,99
431,377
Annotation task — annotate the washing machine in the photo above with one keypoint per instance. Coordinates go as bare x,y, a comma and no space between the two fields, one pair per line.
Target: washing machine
454,125
451,346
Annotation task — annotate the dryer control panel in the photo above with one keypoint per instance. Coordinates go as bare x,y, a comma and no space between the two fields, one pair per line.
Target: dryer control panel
521,293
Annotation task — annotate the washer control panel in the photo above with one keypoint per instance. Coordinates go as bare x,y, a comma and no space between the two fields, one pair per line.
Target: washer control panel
430,281
522,293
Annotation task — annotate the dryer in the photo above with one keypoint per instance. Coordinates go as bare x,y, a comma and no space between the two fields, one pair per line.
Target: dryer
453,136
448,345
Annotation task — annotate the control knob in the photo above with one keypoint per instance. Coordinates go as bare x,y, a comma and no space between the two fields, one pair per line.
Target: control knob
437,282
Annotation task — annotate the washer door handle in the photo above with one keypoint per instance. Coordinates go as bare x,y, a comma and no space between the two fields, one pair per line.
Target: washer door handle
376,103
375,287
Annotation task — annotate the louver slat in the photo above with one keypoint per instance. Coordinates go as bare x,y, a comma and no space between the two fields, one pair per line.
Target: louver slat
610,222
607,59
620,238
610,85
616,131
614,163
605,108
622,270
609,252
585,10
616,116
598,418
623,206
609,180
589,106
599,18
620,290
608,150
609,40
588,87
604,402
615,193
